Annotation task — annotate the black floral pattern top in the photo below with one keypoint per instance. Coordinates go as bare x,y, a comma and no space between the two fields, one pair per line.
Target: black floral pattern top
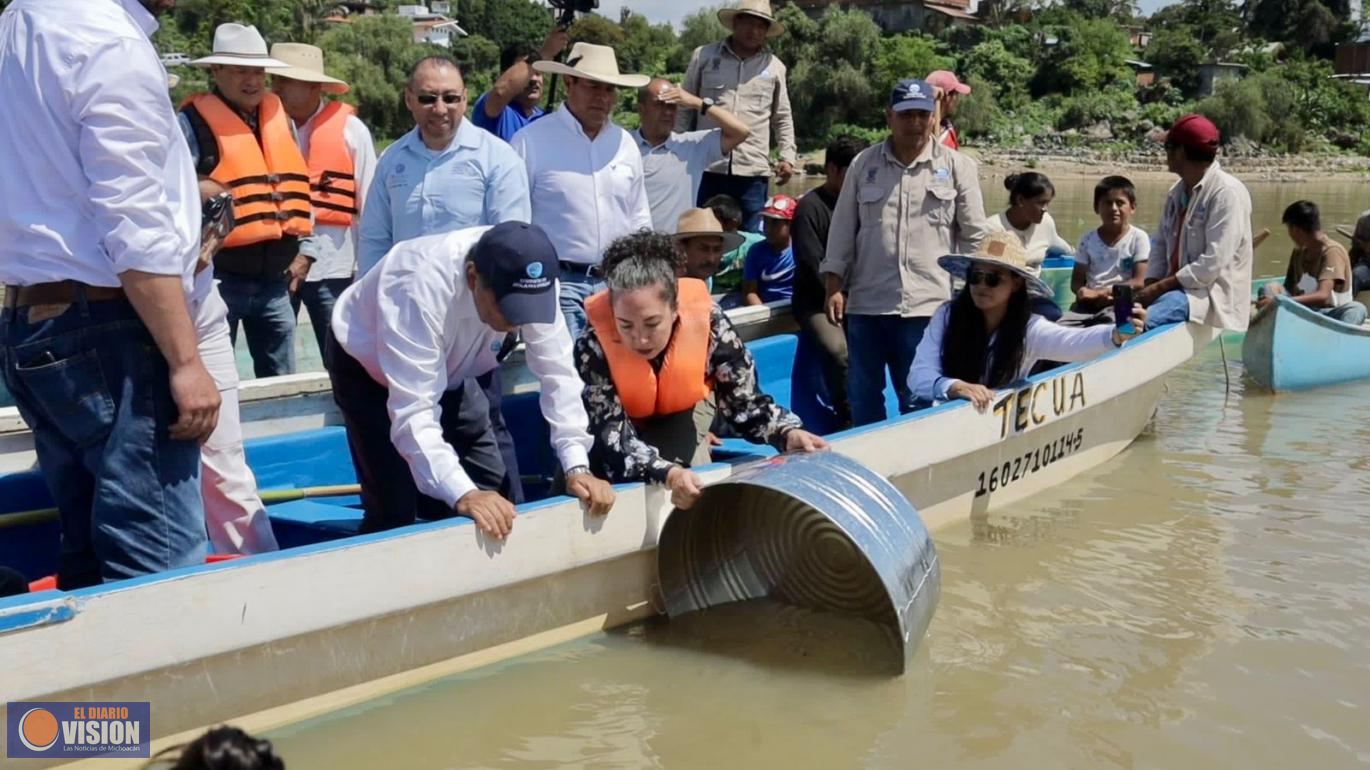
750,413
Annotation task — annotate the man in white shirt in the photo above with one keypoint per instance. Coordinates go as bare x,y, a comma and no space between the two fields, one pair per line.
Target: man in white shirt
673,162
584,173
342,159
406,341
98,248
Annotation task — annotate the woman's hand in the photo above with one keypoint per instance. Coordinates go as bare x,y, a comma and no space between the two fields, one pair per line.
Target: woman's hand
1138,326
685,486
979,395
800,440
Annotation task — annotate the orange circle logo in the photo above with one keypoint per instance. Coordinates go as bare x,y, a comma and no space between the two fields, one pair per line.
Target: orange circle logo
38,729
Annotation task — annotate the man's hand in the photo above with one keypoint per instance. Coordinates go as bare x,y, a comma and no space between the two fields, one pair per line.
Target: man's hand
678,95
978,395
298,272
555,43
210,243
1148,294
837,308
783,171
799,440
491,512
197,402
685,487
597,494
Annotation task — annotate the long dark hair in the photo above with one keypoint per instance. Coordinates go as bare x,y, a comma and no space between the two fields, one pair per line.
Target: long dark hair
222,748
965,343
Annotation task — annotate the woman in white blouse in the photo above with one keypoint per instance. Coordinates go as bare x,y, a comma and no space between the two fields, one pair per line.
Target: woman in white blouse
1029,196
988,336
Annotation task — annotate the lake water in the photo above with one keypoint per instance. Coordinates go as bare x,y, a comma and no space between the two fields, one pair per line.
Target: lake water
1202,600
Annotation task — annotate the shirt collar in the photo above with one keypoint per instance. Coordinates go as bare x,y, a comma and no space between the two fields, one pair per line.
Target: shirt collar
141,16
467,137
564,115
887,149
727,46
642,140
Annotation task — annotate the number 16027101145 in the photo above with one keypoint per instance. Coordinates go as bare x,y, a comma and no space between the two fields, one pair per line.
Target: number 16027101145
1020,467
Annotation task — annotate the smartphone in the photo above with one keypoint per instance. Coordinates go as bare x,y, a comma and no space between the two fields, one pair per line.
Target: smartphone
1122,308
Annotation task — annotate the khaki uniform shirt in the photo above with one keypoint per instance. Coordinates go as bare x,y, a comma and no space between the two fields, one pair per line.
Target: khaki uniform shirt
892,222
753,90
1214,245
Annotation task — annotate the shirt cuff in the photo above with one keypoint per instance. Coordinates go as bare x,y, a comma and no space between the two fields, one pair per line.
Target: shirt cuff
573,456
455,487
941,386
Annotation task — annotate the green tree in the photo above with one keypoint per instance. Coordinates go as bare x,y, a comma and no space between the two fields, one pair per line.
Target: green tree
1177,54
1091,55
506,22
1005,75
1216,24
374,54
906,56
701,28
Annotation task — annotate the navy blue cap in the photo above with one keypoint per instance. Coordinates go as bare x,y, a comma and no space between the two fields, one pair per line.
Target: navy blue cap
519,263
912,95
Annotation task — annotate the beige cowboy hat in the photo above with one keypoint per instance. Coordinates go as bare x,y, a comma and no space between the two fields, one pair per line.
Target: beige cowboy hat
697,223
758,8
593,62
998,249
238,46
305,64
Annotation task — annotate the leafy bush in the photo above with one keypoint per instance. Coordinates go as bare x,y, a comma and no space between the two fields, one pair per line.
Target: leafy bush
865,133
906,56
977,113
1114,104
1004,74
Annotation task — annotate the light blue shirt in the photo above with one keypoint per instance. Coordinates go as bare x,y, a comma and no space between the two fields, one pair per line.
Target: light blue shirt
478,180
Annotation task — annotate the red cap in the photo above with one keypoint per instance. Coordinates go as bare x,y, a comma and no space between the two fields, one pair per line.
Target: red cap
1193,130
779,207
947,81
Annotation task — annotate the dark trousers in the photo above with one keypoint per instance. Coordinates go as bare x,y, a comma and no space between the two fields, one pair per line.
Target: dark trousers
831,344
748,191
96,391
390,498
318,298
876,344
262,305
492,386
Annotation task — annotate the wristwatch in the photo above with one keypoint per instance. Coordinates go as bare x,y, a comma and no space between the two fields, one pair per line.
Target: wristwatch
577,470
706,104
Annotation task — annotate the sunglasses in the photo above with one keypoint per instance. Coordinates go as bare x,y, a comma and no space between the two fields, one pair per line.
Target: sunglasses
428,100
977,277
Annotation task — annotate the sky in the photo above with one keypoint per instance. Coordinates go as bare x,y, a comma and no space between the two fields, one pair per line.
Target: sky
673,11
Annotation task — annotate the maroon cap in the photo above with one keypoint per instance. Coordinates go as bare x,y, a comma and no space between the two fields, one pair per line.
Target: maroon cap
1195,131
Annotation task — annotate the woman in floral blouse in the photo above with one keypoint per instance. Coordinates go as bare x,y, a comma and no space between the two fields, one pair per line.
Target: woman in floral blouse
658,359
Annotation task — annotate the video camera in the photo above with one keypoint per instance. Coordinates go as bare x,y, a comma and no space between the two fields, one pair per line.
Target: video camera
569,8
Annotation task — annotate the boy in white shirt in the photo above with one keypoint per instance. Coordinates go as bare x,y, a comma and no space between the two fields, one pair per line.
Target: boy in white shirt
1116,253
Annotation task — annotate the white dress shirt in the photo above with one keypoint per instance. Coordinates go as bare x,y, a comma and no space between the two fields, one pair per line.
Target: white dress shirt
97,178
411,322
334,248
585,193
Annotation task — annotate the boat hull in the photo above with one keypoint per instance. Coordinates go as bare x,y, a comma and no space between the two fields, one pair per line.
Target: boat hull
1292,347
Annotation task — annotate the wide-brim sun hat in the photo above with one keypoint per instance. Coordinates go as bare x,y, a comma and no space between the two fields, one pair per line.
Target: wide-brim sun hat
593,62
998,249
236,45
305,64
758,8
702,223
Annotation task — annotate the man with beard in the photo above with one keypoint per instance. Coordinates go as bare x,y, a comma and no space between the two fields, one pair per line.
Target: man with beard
99,229
512,102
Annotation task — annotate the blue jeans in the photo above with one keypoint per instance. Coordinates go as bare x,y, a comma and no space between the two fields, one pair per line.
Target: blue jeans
1351,313
1169,308
876,343
576,287
1360,278
263,307
748,191
318,298
96,391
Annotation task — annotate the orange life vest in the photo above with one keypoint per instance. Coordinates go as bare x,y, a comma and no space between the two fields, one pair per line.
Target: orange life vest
269,179
331,169
681,383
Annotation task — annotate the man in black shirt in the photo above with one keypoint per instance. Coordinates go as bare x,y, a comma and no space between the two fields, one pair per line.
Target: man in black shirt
809,232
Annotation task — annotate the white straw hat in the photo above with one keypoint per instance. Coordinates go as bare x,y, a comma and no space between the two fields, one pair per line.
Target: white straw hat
998,249
239,46
759,8
305,64
593,62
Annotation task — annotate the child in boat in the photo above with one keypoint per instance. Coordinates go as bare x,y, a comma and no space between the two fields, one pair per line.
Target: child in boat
992,338
221,748
1029,196
729,275
658,358
1319,274
1113,254
768,272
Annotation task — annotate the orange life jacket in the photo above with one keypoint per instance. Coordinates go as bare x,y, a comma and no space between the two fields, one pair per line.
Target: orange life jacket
681,383
269,179
331,169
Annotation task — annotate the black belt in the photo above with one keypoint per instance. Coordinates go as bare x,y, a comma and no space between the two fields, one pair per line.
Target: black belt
579,267
59,293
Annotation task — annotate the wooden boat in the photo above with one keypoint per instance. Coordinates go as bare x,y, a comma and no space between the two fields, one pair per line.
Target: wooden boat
1293,347
357,616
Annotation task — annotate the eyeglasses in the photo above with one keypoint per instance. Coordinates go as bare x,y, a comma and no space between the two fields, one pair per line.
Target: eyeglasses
428,100
990,280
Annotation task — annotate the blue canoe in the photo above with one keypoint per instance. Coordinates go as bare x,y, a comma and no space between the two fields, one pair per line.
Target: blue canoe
1293,347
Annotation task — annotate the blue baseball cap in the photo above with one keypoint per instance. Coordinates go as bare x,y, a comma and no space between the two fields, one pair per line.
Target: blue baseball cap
518,262
912,95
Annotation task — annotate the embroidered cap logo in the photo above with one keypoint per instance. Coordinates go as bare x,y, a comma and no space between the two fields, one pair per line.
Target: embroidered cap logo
534,270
